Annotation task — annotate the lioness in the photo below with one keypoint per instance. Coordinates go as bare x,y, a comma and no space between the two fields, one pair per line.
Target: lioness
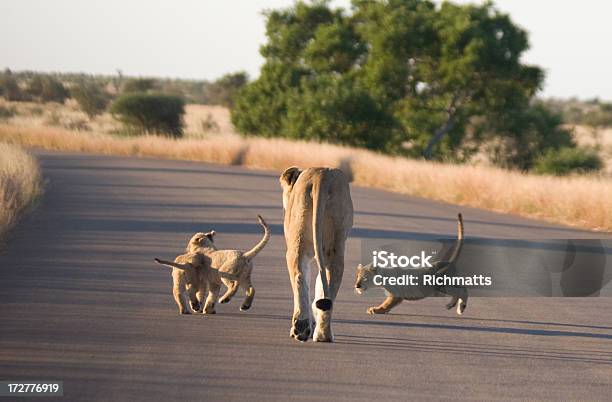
318,219
365,280
234,264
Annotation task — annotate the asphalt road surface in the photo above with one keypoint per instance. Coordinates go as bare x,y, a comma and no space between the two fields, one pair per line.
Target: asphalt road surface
81,301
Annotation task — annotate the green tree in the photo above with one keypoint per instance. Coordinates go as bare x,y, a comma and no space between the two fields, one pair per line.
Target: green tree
92,99
424,74
150,113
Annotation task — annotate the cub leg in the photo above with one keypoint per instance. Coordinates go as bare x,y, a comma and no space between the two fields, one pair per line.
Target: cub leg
459,299
193,299
249,291
385,306
201,297
211,300
178,289
232,288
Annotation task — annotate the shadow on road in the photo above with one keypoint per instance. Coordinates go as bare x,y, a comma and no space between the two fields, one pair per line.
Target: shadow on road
508,321
502,330
477,349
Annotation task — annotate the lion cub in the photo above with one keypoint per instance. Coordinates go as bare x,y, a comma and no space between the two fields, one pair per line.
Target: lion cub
235,266
459,294
190,276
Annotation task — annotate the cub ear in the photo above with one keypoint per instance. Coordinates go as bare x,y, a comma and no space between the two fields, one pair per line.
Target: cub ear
290,176
211,234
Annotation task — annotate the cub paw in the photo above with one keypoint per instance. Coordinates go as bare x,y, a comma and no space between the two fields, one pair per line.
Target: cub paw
461,308
245,307
375,310
210,309
197,307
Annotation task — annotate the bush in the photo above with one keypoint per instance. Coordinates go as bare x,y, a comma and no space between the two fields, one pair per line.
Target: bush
9,88
91,98
223,91
6,112
150,113
567,160
209,124
139,85
47,89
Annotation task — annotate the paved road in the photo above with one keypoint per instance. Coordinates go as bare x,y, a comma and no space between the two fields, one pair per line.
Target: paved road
81,301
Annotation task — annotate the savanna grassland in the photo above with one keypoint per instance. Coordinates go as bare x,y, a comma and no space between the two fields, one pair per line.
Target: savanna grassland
20,185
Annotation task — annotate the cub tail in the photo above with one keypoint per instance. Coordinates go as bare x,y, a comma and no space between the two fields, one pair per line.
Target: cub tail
262,243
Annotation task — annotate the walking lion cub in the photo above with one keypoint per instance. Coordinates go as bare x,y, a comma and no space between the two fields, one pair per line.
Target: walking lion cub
235,265
204,268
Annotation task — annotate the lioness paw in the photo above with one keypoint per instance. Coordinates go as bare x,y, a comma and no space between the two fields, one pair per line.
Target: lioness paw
301,330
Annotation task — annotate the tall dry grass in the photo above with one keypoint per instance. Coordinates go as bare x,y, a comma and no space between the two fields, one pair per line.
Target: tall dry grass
576,201
20,184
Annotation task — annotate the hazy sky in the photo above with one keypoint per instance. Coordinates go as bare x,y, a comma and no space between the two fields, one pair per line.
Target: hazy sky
204,39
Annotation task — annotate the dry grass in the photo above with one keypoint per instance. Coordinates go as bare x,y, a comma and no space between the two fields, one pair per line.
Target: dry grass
576,201
20,184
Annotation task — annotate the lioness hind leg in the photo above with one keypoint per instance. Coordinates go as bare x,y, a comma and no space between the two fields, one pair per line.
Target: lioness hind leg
299,274
386,305
232,288
335,269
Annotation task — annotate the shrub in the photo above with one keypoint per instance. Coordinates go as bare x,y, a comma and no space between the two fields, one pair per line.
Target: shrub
53,120
6,112
223,91
567,160
150,113
139,85
47,89
77,125
9,88
209,124
91,98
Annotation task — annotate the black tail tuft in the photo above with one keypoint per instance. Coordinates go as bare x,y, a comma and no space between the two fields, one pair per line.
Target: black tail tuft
324,304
